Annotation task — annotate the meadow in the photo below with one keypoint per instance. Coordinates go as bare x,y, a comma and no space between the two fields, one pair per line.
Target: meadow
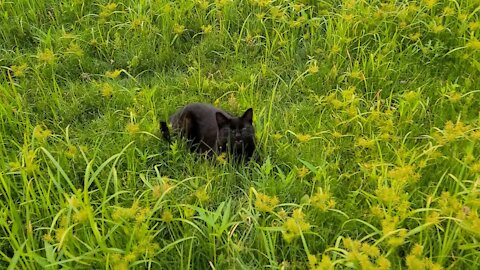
367,122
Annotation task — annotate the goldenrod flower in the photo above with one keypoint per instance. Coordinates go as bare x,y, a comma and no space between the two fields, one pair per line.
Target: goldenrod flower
167,216
41,134
383,263
325,264
473,44
474,26
430,3
30,162
47,237
71,151
19,71
294,226
75,49
132,128
178,28
415,36
448,11
302,172
437,28
303,137
106,90
322,200
265,203
46,56
202,195
74,202
188,212
81,216
207,28
113,74
365,142
313,67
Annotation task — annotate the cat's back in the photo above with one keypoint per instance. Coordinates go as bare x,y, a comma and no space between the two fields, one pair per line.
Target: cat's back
201,113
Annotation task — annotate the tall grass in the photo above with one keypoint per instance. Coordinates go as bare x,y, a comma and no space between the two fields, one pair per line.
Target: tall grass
367,127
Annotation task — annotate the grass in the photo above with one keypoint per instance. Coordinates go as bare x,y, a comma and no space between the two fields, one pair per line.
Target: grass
367,126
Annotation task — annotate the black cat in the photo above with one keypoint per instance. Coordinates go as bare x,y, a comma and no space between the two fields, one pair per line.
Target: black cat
213,131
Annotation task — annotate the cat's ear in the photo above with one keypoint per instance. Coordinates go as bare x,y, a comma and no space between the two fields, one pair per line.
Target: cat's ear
248,116
222,120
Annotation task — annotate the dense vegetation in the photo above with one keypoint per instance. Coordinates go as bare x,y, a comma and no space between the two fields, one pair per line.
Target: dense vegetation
367,119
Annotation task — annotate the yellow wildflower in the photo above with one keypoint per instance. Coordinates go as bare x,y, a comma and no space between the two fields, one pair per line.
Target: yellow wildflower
415,36
75,49
322,200
71,152
202,195
294,226
207,28
41,134
106,90
46,56
132,128
178,29
448,11
383,263
324,264
113,74
475,135
19,71
437,28
81,216
430,3
265,203
302,172
167,216
474,26
357,75
47,237
365,142
74,202
303,137
313,67
188,212
474,44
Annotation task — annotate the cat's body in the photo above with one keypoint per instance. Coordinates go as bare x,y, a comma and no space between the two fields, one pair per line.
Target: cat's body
211,130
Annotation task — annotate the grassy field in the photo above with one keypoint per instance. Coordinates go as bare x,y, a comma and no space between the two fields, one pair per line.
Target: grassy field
367,119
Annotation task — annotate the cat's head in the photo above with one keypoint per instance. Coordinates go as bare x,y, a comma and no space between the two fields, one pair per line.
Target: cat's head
236,134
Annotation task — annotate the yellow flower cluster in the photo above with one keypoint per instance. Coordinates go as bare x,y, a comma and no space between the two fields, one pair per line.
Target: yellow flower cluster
452,132
415,261
159,189
46,56
294,226
202,195
132,128
403,175
107,10
113,74
265,203
365,255
396,237
19,71
322,200
40,133
324,264
122,213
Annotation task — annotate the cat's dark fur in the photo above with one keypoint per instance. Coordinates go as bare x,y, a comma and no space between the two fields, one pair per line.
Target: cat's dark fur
211,130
